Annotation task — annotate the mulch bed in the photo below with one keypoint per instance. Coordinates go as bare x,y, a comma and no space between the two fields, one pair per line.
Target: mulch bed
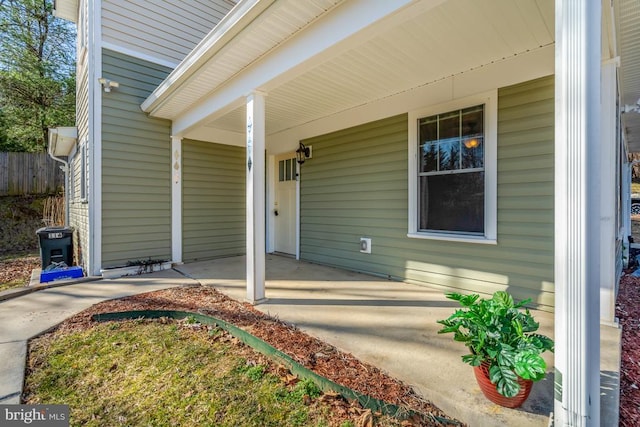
628,313
340,367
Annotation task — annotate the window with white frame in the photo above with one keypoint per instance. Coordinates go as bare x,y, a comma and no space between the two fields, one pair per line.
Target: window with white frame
452,165
83,172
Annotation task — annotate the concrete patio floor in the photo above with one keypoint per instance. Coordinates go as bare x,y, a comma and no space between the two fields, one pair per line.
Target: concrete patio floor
392,325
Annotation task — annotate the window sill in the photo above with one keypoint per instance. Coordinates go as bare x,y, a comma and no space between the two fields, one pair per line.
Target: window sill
454,238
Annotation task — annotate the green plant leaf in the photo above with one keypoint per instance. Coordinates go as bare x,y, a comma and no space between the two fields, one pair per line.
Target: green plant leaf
530,366
472,359
503,298
505,380
464,300
542,342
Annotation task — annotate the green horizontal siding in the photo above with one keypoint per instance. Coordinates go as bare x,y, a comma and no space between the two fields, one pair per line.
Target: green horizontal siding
213,200
136,165
356,186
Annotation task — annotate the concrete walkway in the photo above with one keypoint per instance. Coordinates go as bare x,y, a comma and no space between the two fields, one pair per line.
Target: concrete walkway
388,324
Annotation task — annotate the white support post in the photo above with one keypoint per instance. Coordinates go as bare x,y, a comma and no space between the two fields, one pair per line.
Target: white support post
255,197
176,199
577,213
608,214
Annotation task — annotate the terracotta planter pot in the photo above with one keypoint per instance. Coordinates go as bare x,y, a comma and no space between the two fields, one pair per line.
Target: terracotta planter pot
490,392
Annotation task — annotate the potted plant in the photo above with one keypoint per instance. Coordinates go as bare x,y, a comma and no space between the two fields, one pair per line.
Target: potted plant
505,350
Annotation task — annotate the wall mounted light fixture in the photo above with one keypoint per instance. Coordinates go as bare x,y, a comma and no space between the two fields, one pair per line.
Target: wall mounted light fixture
107,84
302,153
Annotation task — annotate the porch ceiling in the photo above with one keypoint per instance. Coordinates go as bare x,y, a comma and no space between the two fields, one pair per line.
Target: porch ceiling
628,14
452,38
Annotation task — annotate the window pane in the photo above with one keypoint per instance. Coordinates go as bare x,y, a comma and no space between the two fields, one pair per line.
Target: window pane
281,170
452,202
287,170
472,137
449,155
473,152
428,150
429,158
473,121
449,125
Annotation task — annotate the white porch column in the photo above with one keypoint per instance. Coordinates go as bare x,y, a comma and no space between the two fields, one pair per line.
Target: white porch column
577,213
608,181
176,199
255,197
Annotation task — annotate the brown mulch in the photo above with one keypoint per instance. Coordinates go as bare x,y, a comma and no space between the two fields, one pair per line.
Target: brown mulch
18,269
340,367
628,313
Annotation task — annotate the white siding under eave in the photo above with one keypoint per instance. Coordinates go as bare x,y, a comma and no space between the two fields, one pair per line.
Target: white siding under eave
167,30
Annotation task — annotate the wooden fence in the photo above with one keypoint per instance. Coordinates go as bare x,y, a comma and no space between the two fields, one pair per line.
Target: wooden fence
29,173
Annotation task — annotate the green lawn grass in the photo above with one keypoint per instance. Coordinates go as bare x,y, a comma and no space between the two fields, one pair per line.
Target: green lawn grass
148,373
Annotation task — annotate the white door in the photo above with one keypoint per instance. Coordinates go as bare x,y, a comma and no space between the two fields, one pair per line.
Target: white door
285,204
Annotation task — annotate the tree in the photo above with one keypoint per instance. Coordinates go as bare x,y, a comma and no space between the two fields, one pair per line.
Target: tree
37,74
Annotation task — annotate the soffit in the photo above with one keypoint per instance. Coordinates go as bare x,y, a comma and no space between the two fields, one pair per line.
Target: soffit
457,36
629,51
265,33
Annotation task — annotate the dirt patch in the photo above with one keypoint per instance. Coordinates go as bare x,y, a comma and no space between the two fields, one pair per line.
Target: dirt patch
15,272
342,368
20,217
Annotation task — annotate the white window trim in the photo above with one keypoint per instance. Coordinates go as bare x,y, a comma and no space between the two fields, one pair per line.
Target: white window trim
83,173
490,100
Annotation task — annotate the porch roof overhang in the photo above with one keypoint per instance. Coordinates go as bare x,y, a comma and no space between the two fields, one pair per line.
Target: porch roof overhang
62,140
318,59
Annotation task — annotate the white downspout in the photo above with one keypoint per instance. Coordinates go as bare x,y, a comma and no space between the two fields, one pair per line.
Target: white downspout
66,184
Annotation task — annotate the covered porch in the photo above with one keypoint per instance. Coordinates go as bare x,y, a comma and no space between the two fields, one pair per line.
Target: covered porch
392,325
274,74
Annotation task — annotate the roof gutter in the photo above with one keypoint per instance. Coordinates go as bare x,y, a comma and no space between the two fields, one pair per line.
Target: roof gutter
245,12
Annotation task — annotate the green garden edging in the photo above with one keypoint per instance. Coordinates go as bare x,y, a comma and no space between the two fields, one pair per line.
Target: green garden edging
261,346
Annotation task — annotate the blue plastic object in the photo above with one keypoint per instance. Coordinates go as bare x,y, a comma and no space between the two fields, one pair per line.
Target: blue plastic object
61,274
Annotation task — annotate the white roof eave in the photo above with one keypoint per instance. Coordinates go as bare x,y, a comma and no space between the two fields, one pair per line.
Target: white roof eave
62,140
231,25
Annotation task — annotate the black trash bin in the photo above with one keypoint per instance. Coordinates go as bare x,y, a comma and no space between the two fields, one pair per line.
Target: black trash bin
56,246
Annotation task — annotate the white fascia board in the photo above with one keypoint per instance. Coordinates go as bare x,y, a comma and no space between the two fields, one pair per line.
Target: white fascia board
347,25
232,24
